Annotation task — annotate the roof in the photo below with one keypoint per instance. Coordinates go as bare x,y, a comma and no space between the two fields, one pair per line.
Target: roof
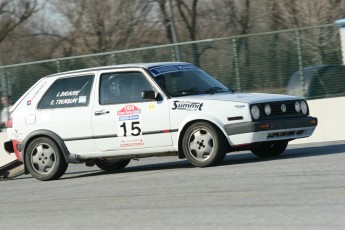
132,65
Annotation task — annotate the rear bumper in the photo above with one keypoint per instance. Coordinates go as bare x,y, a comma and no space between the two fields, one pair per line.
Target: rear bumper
13,146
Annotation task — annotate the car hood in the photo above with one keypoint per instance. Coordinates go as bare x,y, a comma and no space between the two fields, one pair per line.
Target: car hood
242,97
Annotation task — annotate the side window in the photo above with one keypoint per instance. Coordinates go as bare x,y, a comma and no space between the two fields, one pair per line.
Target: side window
122,87
68,92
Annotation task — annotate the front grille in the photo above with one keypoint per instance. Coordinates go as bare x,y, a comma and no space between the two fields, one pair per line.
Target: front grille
277,108
280,109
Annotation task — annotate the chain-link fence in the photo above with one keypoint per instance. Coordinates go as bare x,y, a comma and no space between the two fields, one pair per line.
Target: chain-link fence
304,61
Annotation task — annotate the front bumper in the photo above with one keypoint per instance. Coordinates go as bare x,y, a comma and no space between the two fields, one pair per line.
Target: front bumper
269,130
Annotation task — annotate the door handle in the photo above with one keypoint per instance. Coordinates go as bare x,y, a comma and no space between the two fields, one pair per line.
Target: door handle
101,112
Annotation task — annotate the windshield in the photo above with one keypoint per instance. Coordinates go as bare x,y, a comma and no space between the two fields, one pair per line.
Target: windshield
186,79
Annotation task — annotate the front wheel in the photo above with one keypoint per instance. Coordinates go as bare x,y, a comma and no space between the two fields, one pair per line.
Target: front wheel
44,159
270,149
111,165
203,145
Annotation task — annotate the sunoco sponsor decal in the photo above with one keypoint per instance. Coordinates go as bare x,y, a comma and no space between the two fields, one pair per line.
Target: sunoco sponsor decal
187,106
128,118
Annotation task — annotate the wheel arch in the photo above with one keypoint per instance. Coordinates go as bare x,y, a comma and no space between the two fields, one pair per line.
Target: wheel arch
69,158
213,121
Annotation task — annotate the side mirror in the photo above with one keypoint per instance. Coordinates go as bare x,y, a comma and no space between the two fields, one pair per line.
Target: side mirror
148,95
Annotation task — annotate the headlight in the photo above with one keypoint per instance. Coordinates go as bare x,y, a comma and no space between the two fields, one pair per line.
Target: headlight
255,111
268,109
298,106
304,107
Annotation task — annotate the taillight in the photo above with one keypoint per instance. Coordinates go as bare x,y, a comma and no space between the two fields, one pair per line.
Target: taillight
9,122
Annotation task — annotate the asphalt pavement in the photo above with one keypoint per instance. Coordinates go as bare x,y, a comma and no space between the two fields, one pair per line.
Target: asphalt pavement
302,189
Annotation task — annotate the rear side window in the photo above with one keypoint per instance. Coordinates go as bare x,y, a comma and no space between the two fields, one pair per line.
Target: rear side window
68,92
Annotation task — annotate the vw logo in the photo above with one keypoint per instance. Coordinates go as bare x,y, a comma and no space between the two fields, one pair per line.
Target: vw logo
283,108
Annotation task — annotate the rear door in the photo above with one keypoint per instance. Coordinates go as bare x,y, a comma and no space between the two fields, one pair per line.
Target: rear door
66,109
122,120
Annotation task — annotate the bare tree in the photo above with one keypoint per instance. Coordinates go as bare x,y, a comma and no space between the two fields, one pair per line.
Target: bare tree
189,15
281,14
101,27
186,17
165,18
235,15
88,26
13,14
194,19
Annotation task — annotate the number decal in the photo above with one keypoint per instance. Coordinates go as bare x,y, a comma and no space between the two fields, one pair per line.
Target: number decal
129,126
124,128
135,128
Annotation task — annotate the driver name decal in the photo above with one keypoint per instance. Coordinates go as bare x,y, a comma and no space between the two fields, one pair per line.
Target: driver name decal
187,106
68,98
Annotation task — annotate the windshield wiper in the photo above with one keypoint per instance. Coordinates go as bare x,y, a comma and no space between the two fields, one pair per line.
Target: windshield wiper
187,92
211,90
216,89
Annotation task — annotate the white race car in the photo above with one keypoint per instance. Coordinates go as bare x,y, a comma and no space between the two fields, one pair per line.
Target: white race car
110,115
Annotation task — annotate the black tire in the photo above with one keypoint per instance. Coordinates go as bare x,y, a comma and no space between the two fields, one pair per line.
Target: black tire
203,145
44,159
111,165
270,149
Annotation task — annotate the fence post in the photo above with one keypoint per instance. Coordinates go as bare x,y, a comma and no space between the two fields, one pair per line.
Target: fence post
300,60
6,87
113,58
8,90
2,80
341,25
237,70
58,65
175,48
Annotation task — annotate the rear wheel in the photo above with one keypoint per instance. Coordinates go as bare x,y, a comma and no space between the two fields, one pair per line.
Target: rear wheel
203,145
270,149
111,165
44,159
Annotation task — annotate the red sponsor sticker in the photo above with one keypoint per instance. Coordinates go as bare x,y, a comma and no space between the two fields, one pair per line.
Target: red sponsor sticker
131,142
129,110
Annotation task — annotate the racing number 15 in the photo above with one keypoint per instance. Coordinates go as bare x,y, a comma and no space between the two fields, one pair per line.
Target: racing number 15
136,131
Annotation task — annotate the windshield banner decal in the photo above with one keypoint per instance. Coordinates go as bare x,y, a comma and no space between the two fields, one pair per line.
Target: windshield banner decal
171,68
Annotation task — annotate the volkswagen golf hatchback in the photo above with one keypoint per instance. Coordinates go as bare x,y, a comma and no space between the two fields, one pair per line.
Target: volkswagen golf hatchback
110,115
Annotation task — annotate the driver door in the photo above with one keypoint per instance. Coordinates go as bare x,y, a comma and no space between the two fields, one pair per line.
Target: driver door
122,120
